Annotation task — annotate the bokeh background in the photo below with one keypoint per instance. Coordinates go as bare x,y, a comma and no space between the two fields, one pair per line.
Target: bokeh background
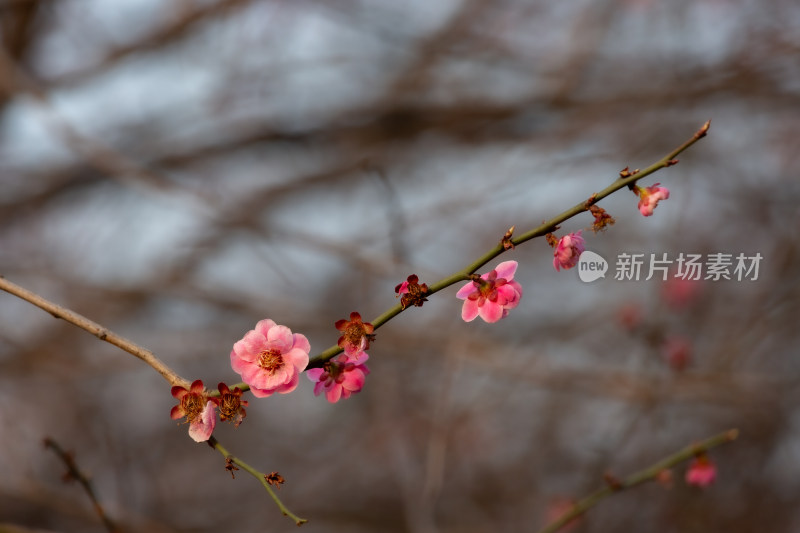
179,170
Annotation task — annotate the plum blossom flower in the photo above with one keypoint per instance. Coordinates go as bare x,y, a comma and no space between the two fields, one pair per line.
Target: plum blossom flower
491,295
340,377
230,403
649,197
198,409
356,335
411,292
270,358
702,472
568,251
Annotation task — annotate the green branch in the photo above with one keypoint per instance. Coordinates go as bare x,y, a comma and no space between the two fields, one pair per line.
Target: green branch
261,476
648,474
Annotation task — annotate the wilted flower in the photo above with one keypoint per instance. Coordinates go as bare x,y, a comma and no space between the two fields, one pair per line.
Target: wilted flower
411,292
197,408
356,335
491,295
340,377
270,358
649,197
568,251
702,472
230,403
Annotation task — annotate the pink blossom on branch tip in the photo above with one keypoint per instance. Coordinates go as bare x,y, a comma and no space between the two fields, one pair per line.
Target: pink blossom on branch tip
270,358
568,251
649,197
340,377
492,295
199,410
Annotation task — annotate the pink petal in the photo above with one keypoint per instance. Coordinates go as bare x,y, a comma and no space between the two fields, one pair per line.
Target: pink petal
238,364
177,412
314,373
358,358
506,270
280,338
354,380
334,393
296,358
470,310
289,386
250,346
201,429
300,342
491,312
263,327
509,295
466,290
260,393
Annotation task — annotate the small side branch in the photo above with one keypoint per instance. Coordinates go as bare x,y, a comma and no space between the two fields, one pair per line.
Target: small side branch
648,474
74,473
264,479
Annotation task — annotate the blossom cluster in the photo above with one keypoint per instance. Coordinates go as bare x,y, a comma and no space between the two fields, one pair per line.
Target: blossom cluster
200,409
269,358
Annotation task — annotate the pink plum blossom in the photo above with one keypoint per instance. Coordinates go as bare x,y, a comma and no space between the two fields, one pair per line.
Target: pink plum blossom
340,377
569,249
198,409
270,358
491,295
649,197
702,472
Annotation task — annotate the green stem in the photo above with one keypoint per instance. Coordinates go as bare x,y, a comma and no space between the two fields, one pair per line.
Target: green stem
640,477
547,227
261,476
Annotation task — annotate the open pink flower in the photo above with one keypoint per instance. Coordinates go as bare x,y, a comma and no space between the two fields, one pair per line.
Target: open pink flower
198,409
270,358
702,472
340,377
569,249
491,295
649,197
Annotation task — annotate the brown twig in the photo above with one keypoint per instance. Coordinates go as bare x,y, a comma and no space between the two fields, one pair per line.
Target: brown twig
74,473
95,329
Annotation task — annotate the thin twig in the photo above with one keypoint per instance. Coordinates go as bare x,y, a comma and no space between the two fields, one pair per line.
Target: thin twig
261,476
547,227
97,330
648,474
73,472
